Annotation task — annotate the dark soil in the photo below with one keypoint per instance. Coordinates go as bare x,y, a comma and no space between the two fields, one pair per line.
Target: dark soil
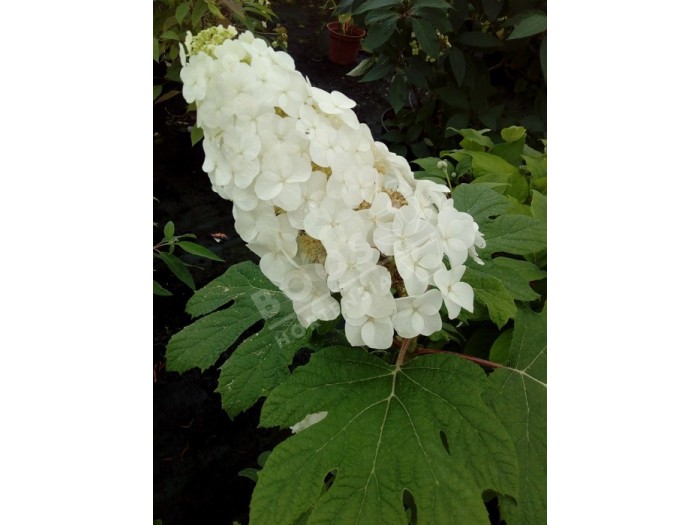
308,45
198,450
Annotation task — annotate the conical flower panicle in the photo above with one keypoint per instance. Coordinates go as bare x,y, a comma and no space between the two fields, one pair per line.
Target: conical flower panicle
339,222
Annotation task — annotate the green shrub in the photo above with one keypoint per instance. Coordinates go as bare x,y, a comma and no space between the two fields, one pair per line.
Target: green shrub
454,64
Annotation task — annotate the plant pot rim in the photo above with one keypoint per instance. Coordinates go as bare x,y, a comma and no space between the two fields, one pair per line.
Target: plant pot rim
355,32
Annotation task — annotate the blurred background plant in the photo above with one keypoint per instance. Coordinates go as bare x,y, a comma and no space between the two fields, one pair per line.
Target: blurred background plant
345,21
454,64
165,252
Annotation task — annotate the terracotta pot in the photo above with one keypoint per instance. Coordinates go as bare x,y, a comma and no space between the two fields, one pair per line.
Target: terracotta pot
343,48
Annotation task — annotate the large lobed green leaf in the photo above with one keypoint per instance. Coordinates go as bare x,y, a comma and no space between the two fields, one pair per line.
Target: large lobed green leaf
238,283
421,427
516,275
516,234
538,206
518,396
501,281
498,283
492,293
479,201
261,361
200,344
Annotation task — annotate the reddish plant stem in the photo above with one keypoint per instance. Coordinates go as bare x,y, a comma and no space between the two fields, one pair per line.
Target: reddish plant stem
476,360
402,352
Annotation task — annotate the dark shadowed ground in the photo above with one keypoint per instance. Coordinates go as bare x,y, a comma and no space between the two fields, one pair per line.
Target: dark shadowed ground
198,450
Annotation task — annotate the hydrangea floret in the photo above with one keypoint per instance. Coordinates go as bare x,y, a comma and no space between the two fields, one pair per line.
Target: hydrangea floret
339,222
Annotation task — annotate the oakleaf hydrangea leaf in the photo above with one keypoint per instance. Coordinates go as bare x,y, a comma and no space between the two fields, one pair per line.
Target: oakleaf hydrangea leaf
200,344
491,292
538,206
239,282
515,275
261,361
479,201
421,427
518,395
515,234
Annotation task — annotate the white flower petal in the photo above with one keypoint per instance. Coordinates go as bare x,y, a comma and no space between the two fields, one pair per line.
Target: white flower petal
378,333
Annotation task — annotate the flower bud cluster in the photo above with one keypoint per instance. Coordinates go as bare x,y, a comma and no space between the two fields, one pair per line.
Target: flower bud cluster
339,222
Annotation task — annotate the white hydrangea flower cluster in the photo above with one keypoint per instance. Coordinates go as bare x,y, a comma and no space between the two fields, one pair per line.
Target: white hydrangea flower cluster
331,213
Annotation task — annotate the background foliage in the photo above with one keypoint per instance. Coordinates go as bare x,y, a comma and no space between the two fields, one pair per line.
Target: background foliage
454,63
165,252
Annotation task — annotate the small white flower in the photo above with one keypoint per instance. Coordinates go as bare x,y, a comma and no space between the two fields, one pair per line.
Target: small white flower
395,170
241,147
275,234
279,172
407,230
298,284
215,163
368,295
318,305
292,100
325,145
247,223
313,192
274,81
245,198
380,212
333,103
232,54
337,106
375,332
324,220
456,294
347,261
195,77
428,198
416,264
456,233
355,183
418,315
